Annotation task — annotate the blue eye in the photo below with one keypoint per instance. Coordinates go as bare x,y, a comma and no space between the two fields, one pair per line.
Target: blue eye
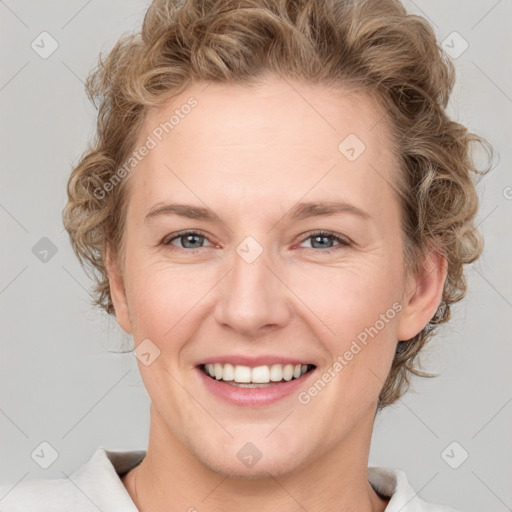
186,237
323,235
192,241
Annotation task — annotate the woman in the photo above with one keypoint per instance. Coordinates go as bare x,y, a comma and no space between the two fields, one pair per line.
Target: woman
278,210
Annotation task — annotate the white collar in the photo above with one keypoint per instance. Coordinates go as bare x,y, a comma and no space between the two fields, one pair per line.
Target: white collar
97,485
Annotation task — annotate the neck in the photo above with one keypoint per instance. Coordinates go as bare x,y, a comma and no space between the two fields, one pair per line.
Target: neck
171,478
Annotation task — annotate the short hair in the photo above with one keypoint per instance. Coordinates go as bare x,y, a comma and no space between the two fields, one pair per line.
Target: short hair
372,46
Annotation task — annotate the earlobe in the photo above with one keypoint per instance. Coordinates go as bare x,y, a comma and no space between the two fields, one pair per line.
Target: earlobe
117,291
423,295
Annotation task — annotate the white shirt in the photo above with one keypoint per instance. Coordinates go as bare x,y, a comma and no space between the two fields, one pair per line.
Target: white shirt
97,486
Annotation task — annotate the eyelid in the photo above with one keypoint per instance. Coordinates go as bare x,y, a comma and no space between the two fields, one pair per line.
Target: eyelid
174,236
342,240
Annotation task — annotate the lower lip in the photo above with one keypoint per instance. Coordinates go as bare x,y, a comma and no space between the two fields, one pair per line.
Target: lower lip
253,396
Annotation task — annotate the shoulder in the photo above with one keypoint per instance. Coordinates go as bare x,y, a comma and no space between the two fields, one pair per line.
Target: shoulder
393,483
94,486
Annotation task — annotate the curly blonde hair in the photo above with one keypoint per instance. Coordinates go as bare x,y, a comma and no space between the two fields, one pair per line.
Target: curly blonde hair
375,46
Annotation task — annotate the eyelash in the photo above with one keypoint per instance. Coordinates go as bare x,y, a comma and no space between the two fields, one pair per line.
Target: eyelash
342,241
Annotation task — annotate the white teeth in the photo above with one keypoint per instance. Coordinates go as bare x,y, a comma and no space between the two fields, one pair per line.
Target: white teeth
242,374
228,372
257,375
260,374
276,373
288,372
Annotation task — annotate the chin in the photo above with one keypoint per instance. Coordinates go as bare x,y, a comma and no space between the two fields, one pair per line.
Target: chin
264,469
240,458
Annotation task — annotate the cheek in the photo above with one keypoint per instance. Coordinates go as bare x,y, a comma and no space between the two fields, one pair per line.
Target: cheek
348,299
163,299
339,302
358,308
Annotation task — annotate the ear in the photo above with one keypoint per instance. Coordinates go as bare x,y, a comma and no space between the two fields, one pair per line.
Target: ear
422,295
117,291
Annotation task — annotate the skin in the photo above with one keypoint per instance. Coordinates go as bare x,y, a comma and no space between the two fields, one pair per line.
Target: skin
250,154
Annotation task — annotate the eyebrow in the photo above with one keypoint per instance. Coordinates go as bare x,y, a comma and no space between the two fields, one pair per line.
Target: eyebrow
299,212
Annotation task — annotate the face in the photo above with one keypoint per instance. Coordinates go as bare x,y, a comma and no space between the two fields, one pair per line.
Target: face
267,279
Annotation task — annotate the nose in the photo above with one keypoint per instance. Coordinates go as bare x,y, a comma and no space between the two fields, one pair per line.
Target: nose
253,297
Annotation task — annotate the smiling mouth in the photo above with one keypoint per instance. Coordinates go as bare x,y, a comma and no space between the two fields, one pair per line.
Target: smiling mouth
256,377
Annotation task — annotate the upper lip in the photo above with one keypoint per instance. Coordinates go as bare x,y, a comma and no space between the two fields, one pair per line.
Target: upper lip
252,361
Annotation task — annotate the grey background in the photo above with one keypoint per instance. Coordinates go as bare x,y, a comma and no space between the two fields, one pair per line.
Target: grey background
59,383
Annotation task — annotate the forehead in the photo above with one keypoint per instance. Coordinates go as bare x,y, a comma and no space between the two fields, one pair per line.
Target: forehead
265,141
